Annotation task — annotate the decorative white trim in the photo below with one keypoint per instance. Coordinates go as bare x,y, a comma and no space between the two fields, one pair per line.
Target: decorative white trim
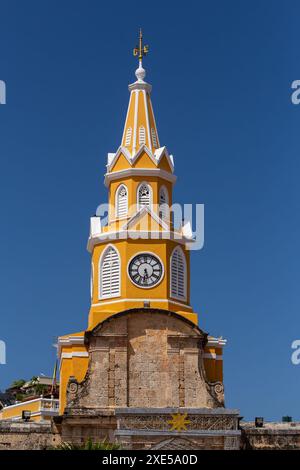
127,114
139,214
68,341
135,235
128,172
154,122
135,120
131,158
70,355
147,120
146,253
217,342
216,357
185,274
21,403
98,304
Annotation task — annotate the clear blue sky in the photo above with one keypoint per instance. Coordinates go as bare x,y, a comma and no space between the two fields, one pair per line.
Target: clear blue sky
221,75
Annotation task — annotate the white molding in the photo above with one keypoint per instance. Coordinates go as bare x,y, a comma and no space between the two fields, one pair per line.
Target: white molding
70,355
136,235
135,120
185,275
68,341
98,304
217,342
154,121
147,120
139,214
146,253
125,125
21,403
132,157
214,356
128,172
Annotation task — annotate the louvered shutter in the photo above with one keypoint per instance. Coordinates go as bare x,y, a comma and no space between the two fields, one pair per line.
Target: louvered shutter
163,204
144,195
122,202
178,275
128,136
154,139
110,274
142,135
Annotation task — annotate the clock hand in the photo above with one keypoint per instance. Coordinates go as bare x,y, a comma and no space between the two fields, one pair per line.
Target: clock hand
145,277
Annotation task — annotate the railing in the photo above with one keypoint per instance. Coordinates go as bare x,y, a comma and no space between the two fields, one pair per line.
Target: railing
49,405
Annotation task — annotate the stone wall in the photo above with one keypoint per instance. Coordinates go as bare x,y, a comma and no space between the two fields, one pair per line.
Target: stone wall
272,436
17,435
147,358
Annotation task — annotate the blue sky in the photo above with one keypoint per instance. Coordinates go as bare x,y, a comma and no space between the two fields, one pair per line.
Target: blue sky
221,75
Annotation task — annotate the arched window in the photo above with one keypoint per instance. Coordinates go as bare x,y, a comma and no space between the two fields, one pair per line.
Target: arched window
142,135
154,139
109,273
121,202
128,136
163,204
144,195
178,274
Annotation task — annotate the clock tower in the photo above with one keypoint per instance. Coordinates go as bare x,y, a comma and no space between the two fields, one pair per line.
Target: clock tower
142,345
139,258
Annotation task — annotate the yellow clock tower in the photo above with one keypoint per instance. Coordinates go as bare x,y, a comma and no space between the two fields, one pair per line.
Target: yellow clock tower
139,261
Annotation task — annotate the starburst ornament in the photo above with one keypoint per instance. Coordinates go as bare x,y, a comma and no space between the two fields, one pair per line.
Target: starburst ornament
179,422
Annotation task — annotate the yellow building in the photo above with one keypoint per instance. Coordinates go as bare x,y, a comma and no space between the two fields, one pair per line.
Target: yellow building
139,260
40,409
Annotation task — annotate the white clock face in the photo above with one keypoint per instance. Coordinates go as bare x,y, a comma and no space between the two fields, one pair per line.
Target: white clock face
145,270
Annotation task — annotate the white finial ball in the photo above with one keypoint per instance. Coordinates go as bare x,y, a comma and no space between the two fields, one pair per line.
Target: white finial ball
140,73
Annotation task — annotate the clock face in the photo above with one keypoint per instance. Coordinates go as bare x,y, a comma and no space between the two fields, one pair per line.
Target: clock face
145,270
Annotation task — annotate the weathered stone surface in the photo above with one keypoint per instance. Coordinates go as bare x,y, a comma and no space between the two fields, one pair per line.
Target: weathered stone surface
272,436
146,358
15,435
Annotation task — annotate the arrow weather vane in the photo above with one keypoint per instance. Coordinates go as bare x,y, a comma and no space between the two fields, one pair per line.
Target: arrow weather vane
140,50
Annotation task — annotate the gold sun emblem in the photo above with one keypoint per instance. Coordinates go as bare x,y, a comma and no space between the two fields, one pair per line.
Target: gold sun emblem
179,422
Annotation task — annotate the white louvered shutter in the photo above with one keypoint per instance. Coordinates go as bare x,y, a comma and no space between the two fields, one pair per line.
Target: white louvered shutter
178,275
110,274
122,201
163,204
144,195
154,139
142,135
128,136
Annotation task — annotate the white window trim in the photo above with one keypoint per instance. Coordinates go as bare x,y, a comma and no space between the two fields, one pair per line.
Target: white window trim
117,202
109,296
92,280
177,297
150,196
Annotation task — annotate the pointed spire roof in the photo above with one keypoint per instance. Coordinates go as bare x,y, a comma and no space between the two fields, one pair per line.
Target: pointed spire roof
140,127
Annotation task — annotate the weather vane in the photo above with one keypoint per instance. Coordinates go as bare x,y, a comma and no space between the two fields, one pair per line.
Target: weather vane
140,50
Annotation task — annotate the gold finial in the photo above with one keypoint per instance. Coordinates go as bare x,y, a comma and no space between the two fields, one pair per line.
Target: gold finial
140,50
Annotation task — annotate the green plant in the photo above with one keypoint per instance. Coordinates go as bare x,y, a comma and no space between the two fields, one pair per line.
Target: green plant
18,383
88,445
